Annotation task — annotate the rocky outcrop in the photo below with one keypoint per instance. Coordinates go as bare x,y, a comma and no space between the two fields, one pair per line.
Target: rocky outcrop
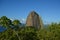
34,20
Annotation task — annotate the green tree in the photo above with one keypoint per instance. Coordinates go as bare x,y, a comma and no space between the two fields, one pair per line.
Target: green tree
28,33
55,29
16,24
4,21
9,34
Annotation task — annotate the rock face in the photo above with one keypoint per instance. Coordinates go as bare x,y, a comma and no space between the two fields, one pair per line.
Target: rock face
34,20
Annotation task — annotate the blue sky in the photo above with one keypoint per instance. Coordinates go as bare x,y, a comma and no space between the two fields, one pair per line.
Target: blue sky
49,10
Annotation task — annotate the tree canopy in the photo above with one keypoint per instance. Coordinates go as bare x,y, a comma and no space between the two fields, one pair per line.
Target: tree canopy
51,32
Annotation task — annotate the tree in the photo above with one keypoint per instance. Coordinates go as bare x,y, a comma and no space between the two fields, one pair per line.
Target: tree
28,33
16,23
4,21
9,34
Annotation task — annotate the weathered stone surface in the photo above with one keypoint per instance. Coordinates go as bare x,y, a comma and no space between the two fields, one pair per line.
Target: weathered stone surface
34,20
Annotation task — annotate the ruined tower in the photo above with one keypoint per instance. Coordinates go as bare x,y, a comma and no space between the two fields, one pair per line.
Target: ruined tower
34,20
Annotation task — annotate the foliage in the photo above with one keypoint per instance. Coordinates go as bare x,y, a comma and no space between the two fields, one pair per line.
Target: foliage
4,21
16,22
28,33
52,32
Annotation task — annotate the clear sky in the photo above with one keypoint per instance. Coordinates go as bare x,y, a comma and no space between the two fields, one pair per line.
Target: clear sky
49,10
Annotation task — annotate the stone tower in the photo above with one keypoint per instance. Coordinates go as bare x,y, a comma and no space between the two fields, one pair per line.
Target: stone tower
34,20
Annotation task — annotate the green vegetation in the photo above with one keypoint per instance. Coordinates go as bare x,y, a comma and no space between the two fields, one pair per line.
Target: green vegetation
52,32
4,21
